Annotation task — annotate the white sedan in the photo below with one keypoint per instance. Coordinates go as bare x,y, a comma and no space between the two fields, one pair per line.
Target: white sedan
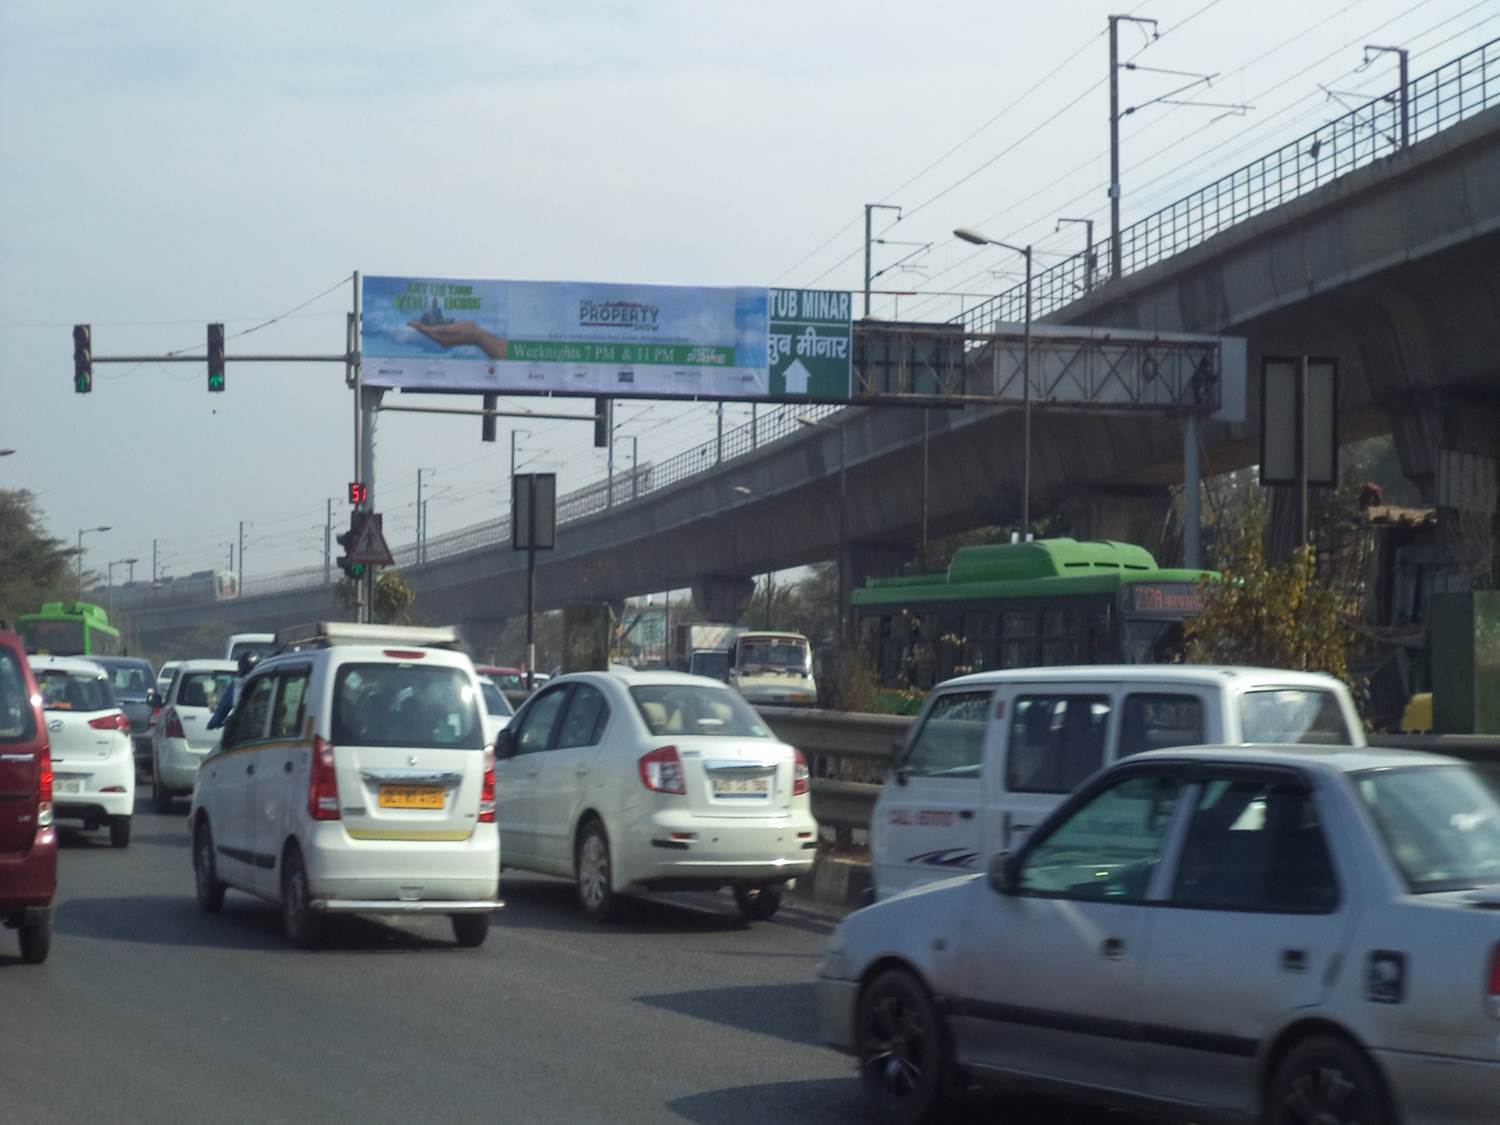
626,781
93,759
1293,936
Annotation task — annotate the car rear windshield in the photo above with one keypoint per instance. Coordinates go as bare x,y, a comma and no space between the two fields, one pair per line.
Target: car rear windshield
203,689
494,699
17,719
1293,716
74,691
1440,823
696,709
130,679
405,705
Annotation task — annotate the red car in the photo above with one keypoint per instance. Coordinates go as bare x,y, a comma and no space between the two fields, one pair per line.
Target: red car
28,842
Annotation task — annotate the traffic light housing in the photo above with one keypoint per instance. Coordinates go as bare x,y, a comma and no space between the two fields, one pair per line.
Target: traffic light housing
83,359
347,540
487,423
215,357
604,416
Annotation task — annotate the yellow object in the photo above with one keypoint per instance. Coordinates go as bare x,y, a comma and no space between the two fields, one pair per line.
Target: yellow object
1417,718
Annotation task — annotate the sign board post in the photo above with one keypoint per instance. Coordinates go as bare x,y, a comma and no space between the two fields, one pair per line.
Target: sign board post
533,528
1299,443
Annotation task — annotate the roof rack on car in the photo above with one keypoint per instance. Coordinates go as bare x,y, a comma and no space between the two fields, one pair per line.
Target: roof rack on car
326,634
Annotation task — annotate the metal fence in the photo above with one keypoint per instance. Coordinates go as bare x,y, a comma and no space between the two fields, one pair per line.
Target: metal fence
1434,101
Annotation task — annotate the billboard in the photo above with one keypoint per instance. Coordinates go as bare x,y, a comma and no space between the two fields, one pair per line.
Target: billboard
657,341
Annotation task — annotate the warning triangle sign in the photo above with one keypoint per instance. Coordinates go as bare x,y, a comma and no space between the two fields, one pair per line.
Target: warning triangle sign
370,547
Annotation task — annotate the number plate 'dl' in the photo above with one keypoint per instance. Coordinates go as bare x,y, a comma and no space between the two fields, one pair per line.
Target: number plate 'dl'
411,796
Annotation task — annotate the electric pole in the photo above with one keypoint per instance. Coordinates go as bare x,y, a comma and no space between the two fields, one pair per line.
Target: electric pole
328,545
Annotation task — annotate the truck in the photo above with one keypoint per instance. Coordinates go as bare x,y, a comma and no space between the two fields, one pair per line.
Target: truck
710,643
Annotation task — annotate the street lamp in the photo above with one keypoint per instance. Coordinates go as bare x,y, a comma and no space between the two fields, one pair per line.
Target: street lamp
82,531
803,420
968,234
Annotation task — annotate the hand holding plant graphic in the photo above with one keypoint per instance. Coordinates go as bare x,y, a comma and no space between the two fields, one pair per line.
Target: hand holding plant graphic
461,333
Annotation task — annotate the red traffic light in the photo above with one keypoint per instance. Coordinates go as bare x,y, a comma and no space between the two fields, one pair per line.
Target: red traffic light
359,492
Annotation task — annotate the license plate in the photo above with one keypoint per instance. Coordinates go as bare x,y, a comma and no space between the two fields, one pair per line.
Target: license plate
411,796
742,787
67,785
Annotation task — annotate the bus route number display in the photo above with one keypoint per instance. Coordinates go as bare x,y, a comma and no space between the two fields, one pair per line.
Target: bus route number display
1164,597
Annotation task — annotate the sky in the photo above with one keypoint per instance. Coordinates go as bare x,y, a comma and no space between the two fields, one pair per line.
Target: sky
167,165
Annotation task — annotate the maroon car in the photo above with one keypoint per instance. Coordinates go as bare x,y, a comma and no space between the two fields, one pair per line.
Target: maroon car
28,842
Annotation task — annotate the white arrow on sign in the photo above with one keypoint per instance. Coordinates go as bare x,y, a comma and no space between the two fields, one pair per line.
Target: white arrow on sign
796,377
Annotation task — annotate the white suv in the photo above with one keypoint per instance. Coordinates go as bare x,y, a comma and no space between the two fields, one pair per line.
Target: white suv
653,781
353,776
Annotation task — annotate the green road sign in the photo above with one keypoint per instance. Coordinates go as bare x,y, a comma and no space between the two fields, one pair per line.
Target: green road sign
810,344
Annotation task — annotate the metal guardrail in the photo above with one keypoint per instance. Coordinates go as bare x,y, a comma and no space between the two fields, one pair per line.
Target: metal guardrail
1457,90
844,736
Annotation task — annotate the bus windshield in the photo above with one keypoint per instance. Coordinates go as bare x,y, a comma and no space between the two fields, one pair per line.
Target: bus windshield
57,637
1151,640
778,655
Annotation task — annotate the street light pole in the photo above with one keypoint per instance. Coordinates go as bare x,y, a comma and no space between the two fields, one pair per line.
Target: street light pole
82,531
968,234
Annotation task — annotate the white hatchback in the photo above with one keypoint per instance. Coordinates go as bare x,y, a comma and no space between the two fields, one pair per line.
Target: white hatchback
353,777
93,760
656,781
180,736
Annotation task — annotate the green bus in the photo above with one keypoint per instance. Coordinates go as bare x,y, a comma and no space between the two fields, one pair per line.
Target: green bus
60,629
1025,605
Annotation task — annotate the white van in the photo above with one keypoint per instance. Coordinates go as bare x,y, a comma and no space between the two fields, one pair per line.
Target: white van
993,753
773,667
262,644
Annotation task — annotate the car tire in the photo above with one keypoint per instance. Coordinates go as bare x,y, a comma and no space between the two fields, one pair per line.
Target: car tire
300,923
1325,1078
36,941
594,874
161,797
119,831
206,872
469,930
903,1051
757,903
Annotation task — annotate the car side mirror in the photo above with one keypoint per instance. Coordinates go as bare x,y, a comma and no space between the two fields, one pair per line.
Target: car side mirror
1003,873
505,744
154,700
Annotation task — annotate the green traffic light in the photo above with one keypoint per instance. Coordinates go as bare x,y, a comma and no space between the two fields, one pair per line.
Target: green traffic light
357,570
216,382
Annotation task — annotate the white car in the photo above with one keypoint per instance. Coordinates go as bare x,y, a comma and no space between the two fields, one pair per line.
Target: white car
93,760
260,644
497,709
164,675
656,781
353,777
180,736
1285,935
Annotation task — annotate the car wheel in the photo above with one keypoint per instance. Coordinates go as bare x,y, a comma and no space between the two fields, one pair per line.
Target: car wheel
903,1059
206,872
1325,1079
36,941
302,925
161,799
595,887
469,930
119,831
757,903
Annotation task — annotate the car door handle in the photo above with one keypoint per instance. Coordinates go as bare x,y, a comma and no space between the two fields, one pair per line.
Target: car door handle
1293,961
286,767
965,814
1111,949
250,769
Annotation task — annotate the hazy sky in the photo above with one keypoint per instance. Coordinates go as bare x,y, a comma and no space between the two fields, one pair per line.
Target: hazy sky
167,164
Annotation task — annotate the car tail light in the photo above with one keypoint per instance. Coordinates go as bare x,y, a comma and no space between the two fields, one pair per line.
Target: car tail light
117,721
43,789
661,771
799,775
323,783
405,653
174,725
487,791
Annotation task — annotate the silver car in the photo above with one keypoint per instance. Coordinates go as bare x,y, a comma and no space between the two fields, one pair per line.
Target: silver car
1270,934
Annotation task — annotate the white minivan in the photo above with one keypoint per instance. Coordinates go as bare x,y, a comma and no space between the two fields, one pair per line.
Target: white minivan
993,753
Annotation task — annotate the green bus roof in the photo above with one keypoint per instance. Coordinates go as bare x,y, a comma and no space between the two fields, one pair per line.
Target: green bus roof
1041,568
88,611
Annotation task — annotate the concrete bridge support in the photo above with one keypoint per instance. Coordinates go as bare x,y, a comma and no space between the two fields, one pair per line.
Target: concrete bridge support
723,597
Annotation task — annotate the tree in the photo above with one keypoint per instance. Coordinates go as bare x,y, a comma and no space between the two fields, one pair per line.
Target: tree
1273,616
34,568
393,597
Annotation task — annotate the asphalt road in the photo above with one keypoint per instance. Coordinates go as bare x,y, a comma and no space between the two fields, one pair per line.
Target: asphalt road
151,1011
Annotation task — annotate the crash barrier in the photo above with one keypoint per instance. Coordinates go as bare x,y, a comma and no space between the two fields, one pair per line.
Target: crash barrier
832,739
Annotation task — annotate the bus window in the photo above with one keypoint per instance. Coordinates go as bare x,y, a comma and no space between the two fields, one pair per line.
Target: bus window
1062,634
1018,648
979,649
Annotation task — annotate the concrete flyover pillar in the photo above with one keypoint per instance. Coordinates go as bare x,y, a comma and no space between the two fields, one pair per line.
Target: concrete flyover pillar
1451,450
723,597
1139,515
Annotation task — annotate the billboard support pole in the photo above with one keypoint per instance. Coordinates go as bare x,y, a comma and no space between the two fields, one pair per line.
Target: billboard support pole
355,380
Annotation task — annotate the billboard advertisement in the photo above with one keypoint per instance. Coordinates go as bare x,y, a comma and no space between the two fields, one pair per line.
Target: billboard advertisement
658,341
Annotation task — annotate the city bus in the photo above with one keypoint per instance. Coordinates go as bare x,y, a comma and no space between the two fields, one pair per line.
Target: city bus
60,629
1025,605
